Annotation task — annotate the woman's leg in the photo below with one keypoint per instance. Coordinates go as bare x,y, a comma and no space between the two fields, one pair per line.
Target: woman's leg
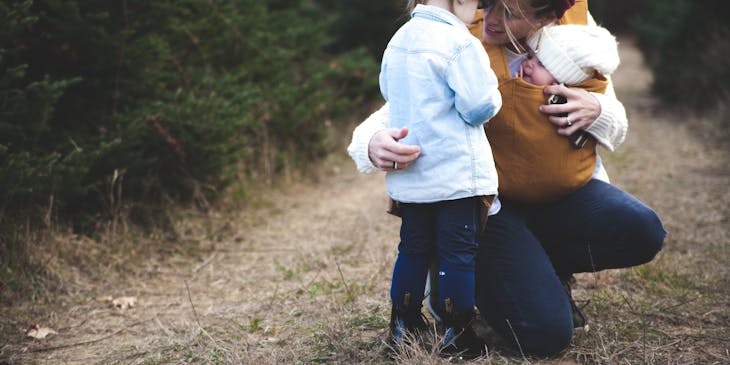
598,227
517,290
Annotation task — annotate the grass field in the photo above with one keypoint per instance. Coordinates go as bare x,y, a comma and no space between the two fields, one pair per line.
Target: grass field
300,274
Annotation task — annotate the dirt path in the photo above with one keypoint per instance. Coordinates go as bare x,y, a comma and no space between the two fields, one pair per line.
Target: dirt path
258,278
305,280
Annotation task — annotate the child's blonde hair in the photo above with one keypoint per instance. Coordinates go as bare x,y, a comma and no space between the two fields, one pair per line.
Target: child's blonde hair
412,5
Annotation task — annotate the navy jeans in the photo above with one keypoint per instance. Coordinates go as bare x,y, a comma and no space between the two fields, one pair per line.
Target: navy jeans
526,246
445,230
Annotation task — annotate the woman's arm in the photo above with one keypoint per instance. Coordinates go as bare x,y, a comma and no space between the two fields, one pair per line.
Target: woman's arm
612,124
601,115
374,146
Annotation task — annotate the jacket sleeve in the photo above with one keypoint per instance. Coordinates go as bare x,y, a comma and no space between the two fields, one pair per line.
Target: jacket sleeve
475,86
358,148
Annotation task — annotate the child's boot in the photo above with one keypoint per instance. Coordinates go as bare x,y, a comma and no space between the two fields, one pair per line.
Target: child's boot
406,321
459,337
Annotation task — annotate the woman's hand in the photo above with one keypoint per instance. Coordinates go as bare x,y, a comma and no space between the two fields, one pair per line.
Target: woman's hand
387,154
582,109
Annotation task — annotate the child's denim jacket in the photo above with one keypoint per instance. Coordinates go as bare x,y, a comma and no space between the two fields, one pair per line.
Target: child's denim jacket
438,81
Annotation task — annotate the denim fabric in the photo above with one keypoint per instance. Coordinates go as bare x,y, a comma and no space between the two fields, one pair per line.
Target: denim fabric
436,77
525,247
446,230
409,276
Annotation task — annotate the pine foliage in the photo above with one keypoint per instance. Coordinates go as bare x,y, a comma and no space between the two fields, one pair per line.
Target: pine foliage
163,100
686,45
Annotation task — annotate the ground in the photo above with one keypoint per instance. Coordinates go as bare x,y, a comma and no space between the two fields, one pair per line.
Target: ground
302,274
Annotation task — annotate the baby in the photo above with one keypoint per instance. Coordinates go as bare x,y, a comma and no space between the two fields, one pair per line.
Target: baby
571,55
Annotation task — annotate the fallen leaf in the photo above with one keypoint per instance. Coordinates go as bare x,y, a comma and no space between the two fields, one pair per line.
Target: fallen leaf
124,302
105,298
38,332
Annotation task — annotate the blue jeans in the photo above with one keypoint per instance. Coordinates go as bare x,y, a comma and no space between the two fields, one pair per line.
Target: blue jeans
445,230
525,247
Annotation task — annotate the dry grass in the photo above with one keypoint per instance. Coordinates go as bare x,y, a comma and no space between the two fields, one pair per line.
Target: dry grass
301,275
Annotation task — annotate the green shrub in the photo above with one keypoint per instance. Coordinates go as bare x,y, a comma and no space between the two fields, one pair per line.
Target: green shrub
156,100
616,15
365,23
685,44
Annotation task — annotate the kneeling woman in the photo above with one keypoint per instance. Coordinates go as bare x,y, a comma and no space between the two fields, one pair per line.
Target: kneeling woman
532,245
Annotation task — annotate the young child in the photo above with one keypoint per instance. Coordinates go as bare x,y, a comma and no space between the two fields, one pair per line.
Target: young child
438,81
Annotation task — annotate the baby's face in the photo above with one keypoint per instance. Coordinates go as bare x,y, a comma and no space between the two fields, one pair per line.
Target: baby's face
534,72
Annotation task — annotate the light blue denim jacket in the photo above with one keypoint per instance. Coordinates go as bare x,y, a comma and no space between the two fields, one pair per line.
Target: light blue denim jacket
436,77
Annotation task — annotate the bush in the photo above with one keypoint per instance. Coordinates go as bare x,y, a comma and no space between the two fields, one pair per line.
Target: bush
162,100
365,23
616,15
685,44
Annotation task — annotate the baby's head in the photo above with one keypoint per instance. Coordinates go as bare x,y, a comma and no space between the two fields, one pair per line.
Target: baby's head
570,53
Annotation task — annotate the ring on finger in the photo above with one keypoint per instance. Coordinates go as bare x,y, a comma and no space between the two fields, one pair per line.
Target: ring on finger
568,123
395,165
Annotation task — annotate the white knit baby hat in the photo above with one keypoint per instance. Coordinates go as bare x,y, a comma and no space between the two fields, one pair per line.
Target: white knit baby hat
572,52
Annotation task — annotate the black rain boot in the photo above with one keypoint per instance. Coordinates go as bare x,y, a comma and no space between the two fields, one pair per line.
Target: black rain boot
459,337
580,321
406,321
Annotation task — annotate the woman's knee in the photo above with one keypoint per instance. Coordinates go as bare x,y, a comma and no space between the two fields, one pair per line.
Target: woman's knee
649,235
539,332
543,340
549,344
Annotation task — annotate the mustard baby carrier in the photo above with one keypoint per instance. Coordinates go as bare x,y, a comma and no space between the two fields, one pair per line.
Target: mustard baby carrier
534,163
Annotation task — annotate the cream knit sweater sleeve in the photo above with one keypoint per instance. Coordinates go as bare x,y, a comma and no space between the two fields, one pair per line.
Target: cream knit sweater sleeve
611,125
358,148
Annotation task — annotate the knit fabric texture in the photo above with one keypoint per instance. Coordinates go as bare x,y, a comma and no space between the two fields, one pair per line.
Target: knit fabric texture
573,53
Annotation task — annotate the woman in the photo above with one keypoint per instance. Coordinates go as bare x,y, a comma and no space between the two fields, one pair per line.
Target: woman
530,247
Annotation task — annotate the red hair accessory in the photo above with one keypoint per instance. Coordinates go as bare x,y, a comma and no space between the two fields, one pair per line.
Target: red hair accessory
560,6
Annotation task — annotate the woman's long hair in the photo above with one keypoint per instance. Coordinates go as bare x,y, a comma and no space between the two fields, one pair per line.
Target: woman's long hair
537,12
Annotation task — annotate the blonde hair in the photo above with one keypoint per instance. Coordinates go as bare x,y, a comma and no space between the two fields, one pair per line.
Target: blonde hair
412,5
537,13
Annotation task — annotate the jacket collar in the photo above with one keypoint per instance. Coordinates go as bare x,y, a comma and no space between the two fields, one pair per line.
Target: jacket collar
437,14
